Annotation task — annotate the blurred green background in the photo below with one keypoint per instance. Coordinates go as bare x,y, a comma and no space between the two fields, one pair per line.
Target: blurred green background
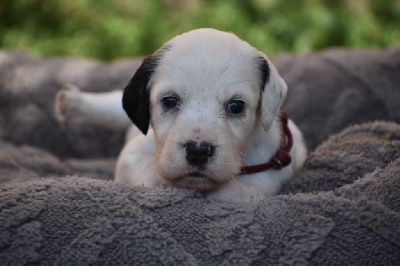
107,30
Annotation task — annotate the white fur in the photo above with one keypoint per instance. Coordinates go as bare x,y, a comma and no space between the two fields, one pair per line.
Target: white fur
82,108
206,69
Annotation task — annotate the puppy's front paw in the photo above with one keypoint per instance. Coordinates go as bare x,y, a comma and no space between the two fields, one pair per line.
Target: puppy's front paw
235,191
68,105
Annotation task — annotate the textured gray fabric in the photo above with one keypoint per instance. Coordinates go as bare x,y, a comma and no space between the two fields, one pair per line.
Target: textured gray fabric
82,220
27,89
348,156
24,163
329,91
342,208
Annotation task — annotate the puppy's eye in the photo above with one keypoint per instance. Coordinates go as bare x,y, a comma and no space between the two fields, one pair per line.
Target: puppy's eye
170,102
235,107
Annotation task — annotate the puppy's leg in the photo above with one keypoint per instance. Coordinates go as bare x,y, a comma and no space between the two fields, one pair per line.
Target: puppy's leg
74,107
135,162
235,191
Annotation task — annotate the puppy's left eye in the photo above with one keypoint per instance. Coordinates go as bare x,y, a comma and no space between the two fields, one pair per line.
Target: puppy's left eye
235,107
170,102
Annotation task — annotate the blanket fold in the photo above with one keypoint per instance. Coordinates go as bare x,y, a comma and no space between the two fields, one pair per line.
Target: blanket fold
100,222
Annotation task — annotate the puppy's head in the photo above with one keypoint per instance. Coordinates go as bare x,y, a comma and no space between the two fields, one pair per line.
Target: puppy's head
203,93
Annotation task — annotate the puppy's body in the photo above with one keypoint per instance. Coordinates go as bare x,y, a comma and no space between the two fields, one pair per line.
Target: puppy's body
208,105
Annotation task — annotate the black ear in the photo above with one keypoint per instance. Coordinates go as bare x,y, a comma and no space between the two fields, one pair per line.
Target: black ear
136,99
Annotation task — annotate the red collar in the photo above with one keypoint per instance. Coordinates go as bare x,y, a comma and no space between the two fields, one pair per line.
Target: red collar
281,158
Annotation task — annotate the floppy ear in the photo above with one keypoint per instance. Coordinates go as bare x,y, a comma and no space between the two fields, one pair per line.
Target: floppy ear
136,99
273,92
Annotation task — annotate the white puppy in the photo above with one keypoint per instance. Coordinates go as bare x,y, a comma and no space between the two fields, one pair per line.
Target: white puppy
208,105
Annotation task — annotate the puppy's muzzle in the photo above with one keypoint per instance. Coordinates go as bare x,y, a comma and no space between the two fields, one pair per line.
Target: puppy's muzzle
198,154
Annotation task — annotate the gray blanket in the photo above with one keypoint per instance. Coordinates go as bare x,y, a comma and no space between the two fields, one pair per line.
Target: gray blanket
58,204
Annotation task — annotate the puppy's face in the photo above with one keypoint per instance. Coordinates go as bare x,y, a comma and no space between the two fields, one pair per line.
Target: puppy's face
203,95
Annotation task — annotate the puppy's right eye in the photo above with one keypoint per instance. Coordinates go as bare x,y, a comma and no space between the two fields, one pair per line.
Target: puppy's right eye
170,102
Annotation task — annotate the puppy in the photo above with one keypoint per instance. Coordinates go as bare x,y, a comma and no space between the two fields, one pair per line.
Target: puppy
206,107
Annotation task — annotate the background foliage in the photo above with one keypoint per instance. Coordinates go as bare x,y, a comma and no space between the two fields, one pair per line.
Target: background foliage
107,29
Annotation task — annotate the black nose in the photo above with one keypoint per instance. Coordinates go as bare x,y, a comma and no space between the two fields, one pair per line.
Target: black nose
198,154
